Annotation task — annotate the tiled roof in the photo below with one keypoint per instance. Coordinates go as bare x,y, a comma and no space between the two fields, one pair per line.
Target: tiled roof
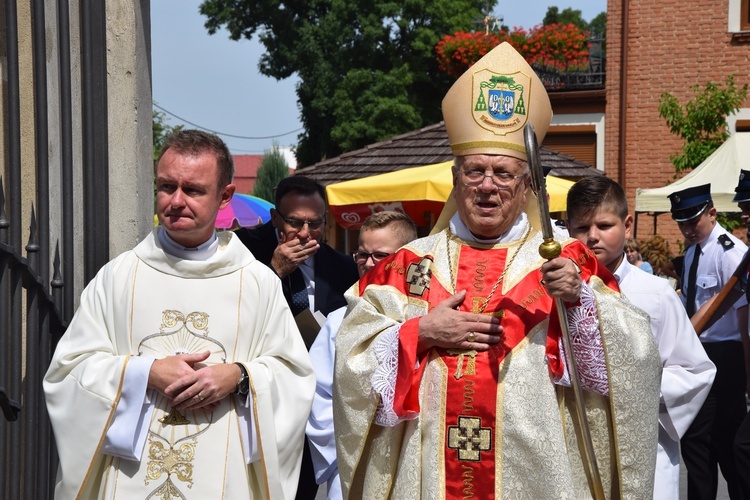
425,146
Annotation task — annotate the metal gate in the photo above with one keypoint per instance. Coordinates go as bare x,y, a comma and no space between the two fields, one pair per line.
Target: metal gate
37,302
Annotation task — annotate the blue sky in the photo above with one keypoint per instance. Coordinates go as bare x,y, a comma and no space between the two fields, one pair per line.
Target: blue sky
214,82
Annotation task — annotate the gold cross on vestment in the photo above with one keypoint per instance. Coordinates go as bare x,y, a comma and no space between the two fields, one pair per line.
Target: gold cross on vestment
174,417
469,438
418,276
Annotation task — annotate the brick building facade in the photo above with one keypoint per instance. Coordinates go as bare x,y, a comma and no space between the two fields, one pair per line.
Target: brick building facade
670,46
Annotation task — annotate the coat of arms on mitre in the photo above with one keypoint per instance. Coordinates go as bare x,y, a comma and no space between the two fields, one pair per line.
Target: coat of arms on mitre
500,100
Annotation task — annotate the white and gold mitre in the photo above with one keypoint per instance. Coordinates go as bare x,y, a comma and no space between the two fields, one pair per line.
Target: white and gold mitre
486,109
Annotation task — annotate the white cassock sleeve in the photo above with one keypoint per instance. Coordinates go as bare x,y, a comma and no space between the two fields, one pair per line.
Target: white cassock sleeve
687,372
126,436
319,430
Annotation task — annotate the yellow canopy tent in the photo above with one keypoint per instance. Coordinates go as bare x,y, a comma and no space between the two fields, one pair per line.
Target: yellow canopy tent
420,192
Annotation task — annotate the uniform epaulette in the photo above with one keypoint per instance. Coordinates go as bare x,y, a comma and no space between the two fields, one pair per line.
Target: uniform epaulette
726,242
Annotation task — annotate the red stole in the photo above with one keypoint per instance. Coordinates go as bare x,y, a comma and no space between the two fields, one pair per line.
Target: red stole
474,378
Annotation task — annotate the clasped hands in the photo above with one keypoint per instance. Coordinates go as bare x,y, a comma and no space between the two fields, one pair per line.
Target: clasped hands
447,327
190,384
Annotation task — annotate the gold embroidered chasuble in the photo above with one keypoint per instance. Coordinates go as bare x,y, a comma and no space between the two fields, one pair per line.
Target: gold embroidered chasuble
147,303
492,424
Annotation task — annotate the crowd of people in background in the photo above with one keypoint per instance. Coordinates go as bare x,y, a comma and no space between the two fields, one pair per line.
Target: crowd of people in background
460,364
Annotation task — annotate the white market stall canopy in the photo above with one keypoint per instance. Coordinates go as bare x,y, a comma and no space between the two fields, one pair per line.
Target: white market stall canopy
721,170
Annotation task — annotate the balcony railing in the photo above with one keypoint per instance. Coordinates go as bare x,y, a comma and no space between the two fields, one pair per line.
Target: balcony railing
592,78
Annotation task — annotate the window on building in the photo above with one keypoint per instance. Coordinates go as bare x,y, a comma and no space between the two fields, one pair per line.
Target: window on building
738,22
577,141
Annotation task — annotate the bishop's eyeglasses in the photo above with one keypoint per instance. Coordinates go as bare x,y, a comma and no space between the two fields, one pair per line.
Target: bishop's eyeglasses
473,177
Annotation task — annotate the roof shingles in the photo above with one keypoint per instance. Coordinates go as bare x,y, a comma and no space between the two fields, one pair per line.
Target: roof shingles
426,146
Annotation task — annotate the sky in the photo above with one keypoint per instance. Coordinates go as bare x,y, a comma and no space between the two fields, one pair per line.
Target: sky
212,82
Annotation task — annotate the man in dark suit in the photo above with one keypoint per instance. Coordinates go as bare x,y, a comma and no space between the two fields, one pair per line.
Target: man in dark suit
291,245
313,275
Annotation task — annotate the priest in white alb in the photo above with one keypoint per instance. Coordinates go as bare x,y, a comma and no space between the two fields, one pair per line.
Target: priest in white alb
182,373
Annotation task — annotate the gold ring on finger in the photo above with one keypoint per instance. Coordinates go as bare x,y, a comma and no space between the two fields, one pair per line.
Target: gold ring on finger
472,337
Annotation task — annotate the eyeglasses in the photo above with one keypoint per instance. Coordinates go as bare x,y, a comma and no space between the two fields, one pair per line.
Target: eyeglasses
361,257
475,176
297,224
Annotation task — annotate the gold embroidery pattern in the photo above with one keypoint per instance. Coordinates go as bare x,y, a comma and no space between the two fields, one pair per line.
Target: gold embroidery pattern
509,259
166,491
173,436
174,417
470,364
469,438
180,334
468,404
479,275
171,318
170,461
468,481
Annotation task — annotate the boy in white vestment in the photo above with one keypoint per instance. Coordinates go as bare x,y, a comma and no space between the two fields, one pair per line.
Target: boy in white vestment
381,234
598,217
182,374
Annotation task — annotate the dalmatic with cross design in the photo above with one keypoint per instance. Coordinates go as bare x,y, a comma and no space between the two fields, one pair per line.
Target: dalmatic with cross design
466,424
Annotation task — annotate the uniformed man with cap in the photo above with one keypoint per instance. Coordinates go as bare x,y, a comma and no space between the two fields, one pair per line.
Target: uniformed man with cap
449,376
742,439
710,261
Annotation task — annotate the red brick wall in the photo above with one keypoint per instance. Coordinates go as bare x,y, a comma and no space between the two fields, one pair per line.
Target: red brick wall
672,45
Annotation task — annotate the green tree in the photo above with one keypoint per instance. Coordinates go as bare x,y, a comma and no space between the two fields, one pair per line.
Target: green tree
598,26
270,173
373,106
161,130
346,52
598,35
567,16
702,122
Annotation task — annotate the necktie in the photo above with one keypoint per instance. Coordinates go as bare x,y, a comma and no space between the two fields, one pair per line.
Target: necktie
690,307
299,293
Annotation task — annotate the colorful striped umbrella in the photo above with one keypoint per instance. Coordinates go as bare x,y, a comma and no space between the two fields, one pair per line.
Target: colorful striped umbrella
244,210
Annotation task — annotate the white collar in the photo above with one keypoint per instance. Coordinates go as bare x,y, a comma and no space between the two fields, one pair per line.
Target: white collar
623,269
458,228
204,251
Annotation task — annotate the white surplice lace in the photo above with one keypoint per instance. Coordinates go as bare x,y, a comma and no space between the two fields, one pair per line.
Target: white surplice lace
583,326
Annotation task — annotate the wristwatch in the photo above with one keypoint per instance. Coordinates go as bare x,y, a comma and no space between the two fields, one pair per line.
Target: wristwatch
243,384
